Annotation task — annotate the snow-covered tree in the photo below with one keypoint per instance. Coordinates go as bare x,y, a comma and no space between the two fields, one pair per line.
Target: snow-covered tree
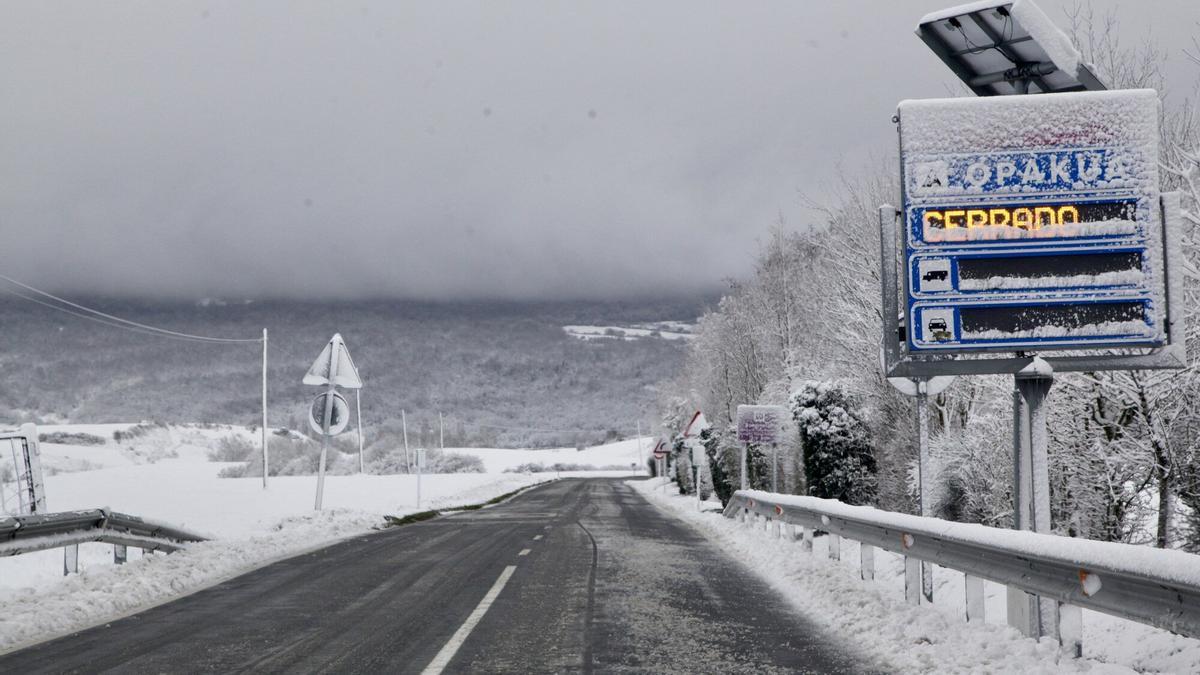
839,461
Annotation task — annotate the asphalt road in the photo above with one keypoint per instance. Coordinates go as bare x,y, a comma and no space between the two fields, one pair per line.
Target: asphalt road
575,576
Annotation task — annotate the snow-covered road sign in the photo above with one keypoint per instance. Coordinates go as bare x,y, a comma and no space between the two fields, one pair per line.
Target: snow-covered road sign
339,416
1032,222
345,374
761,424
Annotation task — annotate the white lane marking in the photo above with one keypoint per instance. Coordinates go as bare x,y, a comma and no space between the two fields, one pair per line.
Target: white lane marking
439,662
537,537
525,551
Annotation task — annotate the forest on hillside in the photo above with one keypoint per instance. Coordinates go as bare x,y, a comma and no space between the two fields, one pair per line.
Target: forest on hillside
502,374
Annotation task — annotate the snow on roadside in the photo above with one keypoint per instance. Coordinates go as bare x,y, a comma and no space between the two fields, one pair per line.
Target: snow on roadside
104,592
874,616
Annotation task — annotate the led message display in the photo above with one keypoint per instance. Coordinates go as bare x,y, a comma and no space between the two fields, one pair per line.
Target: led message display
1120,216
1029,229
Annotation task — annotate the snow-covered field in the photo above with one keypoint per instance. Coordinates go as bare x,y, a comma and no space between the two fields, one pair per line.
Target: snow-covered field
621,457
874,616
166,475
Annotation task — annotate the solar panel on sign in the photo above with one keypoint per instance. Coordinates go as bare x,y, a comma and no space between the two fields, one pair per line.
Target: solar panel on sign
1006,48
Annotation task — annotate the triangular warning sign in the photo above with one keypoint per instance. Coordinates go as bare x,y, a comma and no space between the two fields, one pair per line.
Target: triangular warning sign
335,356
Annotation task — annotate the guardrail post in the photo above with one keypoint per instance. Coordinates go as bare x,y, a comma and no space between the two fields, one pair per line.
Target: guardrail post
975,604
1022,612
1070,630
71,559
775,530
835,546
866,559
790,530
912,580
808,537
120,554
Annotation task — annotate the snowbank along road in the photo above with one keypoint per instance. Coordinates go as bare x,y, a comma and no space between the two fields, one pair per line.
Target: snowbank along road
573,576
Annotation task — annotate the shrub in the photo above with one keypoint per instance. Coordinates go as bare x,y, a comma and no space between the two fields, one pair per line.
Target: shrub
71,438
233,449
454,462
137,431
724,461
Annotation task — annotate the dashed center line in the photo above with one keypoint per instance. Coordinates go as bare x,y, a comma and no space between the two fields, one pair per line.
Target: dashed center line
537,537
443,657
525,551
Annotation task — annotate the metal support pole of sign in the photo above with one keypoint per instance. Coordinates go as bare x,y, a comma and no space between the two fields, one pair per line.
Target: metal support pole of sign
441,432
264,409
326,421
924,476
774,467
404,427
1032,615
358,411
745,477
420,466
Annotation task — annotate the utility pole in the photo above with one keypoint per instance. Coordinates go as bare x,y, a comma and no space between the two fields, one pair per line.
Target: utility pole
264,409
404,426
358,410
639,443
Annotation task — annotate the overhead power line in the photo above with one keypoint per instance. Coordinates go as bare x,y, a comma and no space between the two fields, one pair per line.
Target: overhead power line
112,320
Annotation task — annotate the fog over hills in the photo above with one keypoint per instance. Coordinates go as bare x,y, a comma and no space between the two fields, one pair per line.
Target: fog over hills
502,373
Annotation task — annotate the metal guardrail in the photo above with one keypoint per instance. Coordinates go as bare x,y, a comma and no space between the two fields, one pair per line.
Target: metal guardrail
1152,586
38,532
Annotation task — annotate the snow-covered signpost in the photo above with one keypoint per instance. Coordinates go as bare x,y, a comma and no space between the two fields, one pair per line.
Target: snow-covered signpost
691,436
330,413
1028,224
761,425
660,454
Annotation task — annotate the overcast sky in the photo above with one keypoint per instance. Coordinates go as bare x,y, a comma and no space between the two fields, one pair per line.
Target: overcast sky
444,149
